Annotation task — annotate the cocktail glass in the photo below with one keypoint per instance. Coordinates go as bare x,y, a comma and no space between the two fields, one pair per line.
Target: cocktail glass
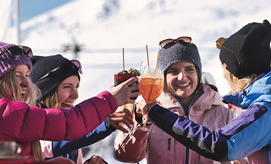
152,82
119,78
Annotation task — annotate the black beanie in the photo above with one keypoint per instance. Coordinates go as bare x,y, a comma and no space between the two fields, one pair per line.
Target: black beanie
251,45
46,72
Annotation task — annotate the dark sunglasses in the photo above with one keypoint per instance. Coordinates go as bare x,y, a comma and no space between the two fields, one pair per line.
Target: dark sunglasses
184,40
65,69
17,51
220,44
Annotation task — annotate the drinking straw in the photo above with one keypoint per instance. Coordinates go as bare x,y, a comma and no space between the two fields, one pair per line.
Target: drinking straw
148,57
123,60
157,62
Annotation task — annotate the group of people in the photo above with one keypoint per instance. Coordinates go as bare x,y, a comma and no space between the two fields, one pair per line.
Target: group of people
190,122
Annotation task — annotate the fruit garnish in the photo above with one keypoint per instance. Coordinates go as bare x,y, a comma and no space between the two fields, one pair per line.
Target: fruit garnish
135,71
131,70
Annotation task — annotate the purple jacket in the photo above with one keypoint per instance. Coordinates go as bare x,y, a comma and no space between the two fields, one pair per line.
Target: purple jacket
159,147
25,124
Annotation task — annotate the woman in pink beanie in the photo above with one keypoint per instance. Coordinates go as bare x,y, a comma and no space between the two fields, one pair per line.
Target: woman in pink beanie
22,122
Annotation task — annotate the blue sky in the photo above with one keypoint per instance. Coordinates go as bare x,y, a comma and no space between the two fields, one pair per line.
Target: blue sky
31,8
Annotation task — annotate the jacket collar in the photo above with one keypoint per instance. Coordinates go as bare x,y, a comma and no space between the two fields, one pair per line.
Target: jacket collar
255,91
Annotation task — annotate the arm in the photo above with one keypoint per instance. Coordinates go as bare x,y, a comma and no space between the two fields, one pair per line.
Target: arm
225,144
62,147
19,122
105,129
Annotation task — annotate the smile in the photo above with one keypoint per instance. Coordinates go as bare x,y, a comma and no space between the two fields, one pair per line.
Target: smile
183,85
67,106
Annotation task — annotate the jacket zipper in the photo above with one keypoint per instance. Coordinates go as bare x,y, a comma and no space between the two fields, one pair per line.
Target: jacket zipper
187,116
168,143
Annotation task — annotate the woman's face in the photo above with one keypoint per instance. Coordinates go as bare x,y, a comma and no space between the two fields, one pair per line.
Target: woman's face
68,92
22,75
182,79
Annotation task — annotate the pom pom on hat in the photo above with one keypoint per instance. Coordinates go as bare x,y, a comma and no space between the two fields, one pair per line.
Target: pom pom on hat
247,51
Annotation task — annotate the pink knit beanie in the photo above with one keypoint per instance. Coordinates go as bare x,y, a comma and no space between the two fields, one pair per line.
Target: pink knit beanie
8,61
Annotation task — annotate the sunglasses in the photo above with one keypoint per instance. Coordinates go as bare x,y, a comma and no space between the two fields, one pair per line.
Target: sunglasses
219,45
167,43
65,69
17,51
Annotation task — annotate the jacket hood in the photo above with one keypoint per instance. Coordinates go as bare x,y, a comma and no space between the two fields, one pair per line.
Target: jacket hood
259,89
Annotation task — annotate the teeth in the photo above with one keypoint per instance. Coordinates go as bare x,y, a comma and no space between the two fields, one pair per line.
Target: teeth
66,105
183,85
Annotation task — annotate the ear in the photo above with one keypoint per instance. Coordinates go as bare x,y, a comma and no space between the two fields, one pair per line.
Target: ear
224,65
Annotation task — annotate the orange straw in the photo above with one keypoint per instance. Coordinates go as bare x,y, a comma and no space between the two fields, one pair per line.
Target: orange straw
148,57
157,62
123,60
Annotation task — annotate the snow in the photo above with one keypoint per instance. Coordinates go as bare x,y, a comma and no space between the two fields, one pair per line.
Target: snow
104,27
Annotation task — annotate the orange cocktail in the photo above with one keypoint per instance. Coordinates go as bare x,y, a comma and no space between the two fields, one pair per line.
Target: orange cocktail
151,88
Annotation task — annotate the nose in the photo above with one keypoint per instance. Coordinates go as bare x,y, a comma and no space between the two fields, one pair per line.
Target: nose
181,76
25,82
74,94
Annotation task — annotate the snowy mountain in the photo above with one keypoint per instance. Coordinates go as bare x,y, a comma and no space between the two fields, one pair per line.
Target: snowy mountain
104,27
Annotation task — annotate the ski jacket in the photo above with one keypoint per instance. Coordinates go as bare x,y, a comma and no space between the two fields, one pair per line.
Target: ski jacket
72,149
160,148
25,124
248,135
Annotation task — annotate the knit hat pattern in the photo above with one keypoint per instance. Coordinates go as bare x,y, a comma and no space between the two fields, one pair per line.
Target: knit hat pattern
178,53
45,73
251,45
8,61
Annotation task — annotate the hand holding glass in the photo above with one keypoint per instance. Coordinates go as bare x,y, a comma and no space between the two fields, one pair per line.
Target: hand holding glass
152,81
119,78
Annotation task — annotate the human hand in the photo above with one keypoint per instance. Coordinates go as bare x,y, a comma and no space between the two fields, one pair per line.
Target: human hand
139,107
124,116
123,93
146,110
142,109
95,160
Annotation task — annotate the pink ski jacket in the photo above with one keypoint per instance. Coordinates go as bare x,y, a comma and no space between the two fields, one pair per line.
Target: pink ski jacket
25,124
160,148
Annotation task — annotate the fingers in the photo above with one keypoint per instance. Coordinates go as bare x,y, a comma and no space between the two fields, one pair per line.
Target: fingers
120,118
120,127
145,119
148,107
123,92
95,160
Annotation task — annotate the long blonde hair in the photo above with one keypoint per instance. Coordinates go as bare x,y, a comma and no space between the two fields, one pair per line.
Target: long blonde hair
238,85
10,89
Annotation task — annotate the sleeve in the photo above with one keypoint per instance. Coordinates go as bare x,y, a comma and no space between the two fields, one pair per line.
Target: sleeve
64,147
228,143
22,123
131,147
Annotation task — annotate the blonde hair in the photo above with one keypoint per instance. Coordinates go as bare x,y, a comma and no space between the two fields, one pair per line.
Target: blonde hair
50,100
238,85
10,89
